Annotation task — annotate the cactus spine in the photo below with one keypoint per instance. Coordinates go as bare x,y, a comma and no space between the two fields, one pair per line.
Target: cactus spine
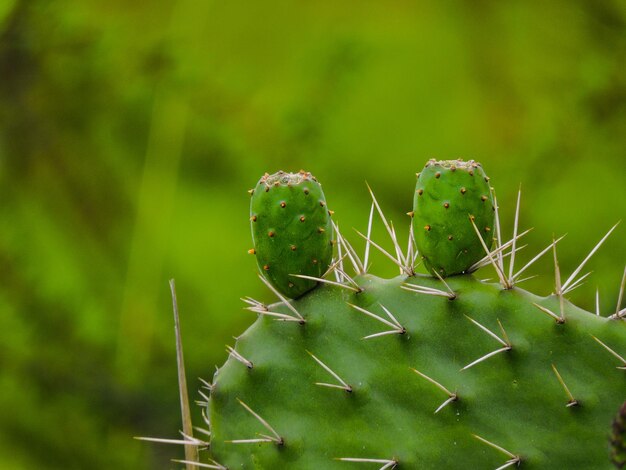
419,371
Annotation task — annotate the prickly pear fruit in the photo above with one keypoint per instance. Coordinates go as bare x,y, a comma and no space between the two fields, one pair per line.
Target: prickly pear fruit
447,194
618,439
291,230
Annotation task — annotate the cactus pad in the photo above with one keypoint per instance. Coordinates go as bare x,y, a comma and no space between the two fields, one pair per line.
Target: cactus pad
513,397
291,230
447,194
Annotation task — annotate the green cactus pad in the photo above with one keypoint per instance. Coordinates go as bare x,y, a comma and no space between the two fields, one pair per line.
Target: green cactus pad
291,230
512,398
447,193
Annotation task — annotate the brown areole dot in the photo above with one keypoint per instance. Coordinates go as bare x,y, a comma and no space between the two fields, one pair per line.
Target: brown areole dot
306,191
283,204
253,218
420,191
438,174
427,228
293,247
252,251
302,218
266,267
483,198
463,190
271,233
446,205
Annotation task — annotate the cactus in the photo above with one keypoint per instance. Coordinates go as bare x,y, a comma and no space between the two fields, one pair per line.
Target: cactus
291,231
422,371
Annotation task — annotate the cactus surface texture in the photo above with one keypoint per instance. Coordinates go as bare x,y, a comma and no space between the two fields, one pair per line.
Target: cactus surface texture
417,371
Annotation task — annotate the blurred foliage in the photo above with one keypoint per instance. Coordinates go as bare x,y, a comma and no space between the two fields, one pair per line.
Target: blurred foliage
130,131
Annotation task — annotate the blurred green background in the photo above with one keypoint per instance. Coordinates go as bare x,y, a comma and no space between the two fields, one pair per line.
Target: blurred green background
130,132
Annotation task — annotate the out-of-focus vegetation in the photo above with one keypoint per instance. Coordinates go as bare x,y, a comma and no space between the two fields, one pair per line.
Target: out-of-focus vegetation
130,132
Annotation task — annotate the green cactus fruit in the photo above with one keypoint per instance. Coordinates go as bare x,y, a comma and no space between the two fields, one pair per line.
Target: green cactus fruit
447,194
618,439
291,231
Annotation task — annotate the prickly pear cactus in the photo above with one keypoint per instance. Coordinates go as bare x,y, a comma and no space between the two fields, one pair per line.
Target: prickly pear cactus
291,230
418,371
